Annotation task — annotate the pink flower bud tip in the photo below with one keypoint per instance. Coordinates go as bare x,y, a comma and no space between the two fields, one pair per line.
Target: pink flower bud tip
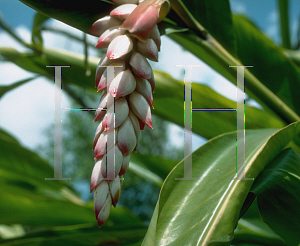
100,195
119,47
123,11
104,213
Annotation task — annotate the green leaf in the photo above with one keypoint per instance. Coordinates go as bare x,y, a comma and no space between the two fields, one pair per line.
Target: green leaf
155,164
6,88
270,65
254,231
122,228
78,14
36,37
145,173
199,211
26,195
283,7
30,62
278,191
216,18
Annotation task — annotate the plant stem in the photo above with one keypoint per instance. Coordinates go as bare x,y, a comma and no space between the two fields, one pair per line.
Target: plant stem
284,23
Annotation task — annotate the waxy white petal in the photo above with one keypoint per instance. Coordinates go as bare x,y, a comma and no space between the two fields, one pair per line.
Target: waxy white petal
115,190
104,62
97,176
126,137
102,24
119,47
140,65
125,164
155,35
123,11
148,49
143,87
140,108
108,36
123,84
136,125
99,130
103,144
100,195
121,113
101,110
105,211
112,168
119,66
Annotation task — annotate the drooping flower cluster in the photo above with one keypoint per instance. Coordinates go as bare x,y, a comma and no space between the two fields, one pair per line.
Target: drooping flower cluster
130,35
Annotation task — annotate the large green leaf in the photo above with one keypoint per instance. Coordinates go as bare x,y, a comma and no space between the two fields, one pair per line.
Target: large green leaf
270,64
122,228
168,94
25,194
254,231
278,191
197,212
216,18
78,14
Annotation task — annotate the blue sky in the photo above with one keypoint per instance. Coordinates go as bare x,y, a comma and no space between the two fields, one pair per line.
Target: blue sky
25,113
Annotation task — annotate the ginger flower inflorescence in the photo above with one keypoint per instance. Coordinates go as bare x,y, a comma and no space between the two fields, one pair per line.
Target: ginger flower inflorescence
131,36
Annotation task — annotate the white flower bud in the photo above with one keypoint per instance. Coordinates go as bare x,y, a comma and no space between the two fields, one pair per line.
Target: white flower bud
123,84
100,195
140,65
125,164
105,211
148,49
121,113
144,88
140,108
126,137
123,11
115,190
155,35
135,124
119,47
108,36
102,24
97,176
119,66
112,168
